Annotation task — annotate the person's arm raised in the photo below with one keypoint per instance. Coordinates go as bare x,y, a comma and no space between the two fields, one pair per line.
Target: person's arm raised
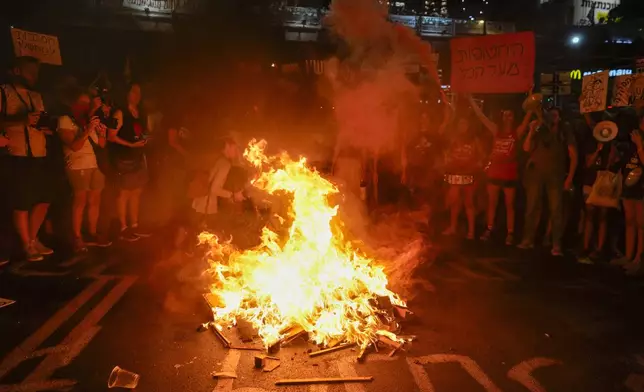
487,123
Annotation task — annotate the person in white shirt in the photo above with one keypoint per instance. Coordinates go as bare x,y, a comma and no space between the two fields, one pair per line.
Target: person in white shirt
80,135
29,185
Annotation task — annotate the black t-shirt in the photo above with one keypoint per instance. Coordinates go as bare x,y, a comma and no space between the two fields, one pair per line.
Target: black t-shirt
132,130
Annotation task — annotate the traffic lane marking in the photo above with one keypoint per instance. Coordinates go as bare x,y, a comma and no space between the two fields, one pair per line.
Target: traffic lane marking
50,385
522,373
29,345
82,334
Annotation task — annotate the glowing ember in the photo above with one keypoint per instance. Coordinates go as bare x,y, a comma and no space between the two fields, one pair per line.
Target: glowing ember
313,278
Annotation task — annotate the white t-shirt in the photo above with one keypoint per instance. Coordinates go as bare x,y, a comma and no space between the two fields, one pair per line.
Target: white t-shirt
83,158
16,134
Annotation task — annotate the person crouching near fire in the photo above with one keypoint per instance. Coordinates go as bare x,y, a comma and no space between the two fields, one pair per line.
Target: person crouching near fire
208,186
462,161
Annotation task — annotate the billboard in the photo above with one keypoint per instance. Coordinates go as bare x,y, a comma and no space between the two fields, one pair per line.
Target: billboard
436,27
588,12
302,17
469,27
162,6
410,21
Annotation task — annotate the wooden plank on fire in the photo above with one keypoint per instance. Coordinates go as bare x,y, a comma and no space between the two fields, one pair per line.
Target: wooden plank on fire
331,350
337,380
224,340
389,342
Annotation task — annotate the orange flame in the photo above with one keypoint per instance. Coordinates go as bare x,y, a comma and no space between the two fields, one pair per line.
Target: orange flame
314,278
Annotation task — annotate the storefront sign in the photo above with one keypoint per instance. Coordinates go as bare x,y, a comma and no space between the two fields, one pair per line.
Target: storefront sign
405,20
436,27
576,74
501,63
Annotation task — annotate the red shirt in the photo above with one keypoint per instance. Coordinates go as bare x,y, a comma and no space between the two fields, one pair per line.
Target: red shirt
462,159
504,163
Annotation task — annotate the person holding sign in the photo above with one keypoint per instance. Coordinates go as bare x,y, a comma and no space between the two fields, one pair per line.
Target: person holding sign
549,143
24,123
503,170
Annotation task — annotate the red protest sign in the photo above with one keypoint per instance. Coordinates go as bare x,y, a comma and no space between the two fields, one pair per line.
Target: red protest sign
502,63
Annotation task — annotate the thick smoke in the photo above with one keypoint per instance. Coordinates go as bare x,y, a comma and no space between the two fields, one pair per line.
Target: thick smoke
369,87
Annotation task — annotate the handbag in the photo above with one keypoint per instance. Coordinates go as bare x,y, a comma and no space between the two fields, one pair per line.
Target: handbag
606,190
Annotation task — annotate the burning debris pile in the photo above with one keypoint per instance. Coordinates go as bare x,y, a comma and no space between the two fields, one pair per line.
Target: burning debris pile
310,282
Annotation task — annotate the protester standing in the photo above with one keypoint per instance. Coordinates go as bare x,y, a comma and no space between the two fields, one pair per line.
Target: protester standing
29,178
129,163
462,162
549,144
80,134
503,169
633,201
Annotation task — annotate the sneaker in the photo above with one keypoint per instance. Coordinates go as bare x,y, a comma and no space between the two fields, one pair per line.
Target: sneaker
139,232
31,254
79,245
620,261
509,239
487,235
128,235
525,245
42,249
584,258
99,241
449,232
556,251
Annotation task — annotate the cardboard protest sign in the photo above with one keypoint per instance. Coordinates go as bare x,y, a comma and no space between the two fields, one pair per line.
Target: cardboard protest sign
622,90
41,46
501,63
637,91
594,90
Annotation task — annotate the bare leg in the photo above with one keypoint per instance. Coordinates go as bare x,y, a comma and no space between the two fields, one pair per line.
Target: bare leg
78,208
631,228
135,199
36,218
470,209
603,229
454,205
589,217
639,219
93,211
121,205
492,204
510,197
21,221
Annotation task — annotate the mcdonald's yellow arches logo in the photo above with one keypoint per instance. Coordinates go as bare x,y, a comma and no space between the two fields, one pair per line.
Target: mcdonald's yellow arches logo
575,74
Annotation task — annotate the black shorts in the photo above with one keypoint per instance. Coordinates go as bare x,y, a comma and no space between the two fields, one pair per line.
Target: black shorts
30,182
635,192
503,183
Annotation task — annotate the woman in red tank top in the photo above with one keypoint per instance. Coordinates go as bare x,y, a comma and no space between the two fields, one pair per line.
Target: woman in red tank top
503,169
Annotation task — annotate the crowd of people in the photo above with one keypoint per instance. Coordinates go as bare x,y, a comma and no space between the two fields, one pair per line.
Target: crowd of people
110,149
90,145
548,160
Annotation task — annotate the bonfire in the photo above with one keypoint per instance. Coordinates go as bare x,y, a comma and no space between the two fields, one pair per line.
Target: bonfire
311,278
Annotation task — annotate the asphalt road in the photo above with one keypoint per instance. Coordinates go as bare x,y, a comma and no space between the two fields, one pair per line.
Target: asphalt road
491,319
